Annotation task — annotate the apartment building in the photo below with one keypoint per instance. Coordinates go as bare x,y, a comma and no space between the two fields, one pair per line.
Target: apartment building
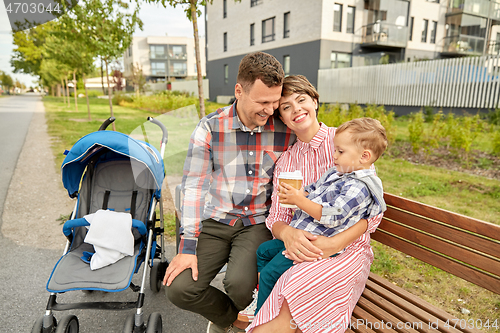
164,58
318,34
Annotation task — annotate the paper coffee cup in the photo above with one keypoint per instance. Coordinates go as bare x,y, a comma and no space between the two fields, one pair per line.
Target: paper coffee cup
293,179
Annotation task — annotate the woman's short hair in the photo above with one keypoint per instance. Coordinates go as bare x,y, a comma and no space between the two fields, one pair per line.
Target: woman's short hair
260,65
366,133
299,84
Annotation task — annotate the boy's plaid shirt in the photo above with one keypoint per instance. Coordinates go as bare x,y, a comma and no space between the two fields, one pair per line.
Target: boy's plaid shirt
228,172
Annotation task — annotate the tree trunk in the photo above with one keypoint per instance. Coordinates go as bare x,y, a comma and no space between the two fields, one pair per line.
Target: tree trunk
87,96
109,95
102,78
74,90
62,88
67,91
194,17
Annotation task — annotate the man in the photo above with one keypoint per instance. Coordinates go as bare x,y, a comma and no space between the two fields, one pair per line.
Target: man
227,186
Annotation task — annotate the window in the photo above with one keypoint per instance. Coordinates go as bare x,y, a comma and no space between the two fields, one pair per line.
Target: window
178,68
268,30
224,8
226,74
177,52
410,29
157,52
425,26
351,13
130,50
337,17
433,32
158,68
254,3
286,25
252,34
225,41
340,60
286,64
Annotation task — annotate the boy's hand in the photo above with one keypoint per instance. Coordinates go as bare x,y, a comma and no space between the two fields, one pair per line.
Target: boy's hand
289,194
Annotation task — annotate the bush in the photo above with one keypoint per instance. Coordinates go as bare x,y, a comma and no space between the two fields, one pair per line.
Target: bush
335,115
496,143
119,98
416,130
162,102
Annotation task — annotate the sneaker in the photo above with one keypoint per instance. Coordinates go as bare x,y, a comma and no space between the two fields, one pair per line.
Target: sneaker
248,314
212,328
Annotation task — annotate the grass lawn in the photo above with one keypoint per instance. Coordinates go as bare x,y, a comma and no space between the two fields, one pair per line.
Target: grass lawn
474,196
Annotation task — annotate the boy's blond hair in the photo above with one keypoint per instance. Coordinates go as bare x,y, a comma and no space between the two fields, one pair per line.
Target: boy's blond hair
367,133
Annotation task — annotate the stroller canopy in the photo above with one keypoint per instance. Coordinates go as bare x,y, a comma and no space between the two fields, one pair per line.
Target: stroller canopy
106,145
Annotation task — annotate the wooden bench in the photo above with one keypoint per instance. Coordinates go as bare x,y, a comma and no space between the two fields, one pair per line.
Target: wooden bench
460,245
463,246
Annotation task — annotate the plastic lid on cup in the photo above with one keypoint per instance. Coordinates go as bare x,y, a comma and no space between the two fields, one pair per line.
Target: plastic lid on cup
291,175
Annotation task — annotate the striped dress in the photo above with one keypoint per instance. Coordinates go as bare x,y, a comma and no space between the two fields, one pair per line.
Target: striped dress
322,294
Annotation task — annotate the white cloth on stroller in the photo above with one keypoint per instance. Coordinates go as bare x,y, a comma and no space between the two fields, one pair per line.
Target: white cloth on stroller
111,235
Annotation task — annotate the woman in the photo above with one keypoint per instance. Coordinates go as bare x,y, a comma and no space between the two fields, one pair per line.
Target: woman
314,295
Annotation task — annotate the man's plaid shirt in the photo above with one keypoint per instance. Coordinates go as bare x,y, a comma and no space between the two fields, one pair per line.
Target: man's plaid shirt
228,172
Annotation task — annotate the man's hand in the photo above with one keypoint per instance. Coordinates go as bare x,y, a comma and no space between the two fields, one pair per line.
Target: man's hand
180,263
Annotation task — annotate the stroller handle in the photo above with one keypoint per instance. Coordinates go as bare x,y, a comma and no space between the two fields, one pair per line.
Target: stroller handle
164,138
106,123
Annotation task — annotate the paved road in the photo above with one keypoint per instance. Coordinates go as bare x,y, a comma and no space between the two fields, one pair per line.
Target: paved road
24,270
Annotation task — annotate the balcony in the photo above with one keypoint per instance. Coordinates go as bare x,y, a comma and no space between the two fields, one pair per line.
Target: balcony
384,35
463,45
483,8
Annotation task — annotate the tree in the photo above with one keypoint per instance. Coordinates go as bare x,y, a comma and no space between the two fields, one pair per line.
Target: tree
28,55
192,13
68,46
6,81
107,26
137,78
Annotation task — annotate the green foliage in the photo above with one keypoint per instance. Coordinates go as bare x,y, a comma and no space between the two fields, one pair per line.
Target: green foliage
463,133
416,130
120,97
494,117
429,114
496,143
456,132
334,115
162,102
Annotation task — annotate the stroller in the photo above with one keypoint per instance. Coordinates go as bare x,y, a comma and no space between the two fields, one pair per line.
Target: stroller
112,174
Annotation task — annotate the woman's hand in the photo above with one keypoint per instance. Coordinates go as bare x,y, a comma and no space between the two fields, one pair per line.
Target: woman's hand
335,244
297,243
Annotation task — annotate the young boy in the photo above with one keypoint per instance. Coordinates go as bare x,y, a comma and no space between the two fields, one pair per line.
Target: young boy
346,193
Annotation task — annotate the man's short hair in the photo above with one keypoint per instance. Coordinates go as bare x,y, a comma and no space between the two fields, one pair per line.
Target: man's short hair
260,65
366,133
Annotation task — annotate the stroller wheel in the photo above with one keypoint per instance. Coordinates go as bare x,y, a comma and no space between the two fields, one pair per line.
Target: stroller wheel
154,323
156,275
38,327
129,324
68,324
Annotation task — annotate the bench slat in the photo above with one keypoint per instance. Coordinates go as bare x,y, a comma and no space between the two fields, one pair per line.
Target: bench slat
457,220
478,243
375,313
414,314
474,259
460,270
412,304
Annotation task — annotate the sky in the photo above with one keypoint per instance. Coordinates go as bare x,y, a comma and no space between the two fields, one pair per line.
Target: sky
158,21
